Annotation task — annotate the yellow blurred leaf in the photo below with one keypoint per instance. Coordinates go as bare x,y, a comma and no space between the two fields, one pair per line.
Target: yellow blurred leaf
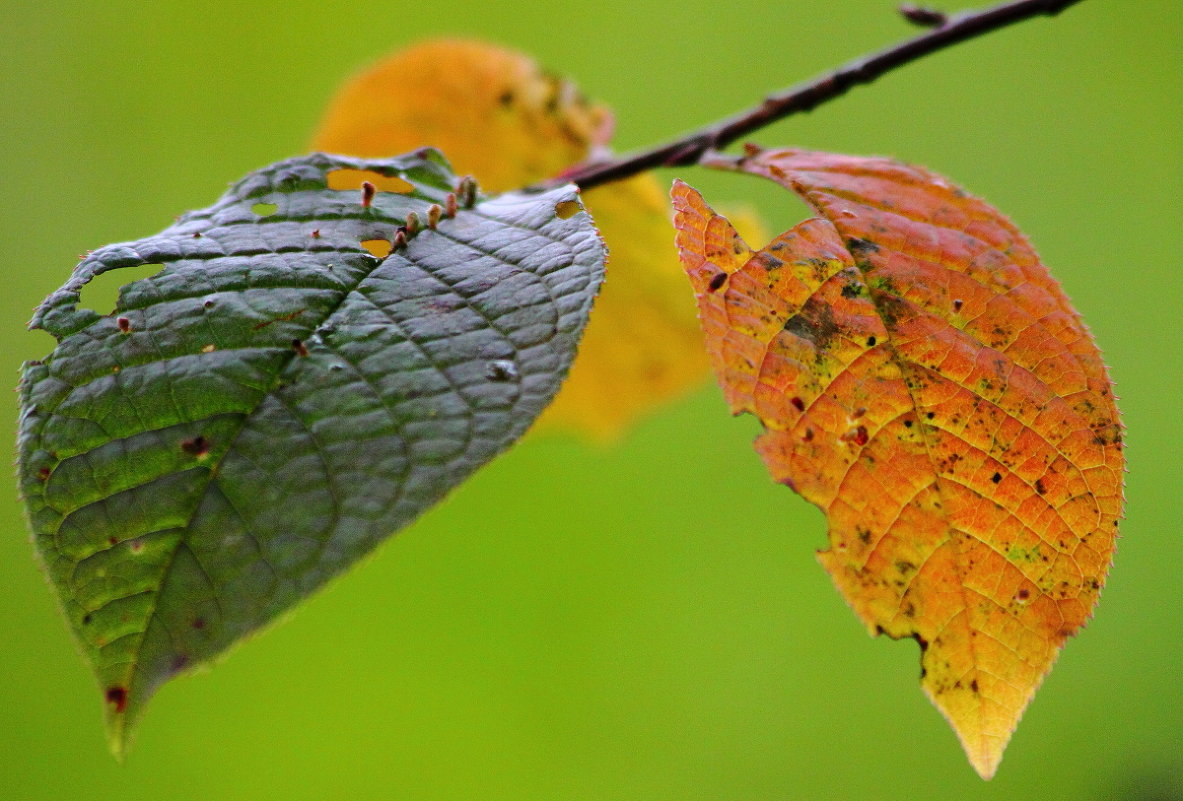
499,117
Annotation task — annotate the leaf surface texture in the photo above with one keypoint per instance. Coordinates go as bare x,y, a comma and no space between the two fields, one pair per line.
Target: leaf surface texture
292,386
924,381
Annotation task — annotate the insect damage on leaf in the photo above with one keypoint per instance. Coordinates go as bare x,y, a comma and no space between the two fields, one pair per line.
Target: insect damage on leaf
503,119
923,380
306,373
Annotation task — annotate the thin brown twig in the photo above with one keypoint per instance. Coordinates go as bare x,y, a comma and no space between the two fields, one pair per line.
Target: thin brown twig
690,148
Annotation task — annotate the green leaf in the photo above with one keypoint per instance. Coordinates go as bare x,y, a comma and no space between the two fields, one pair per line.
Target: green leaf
276,400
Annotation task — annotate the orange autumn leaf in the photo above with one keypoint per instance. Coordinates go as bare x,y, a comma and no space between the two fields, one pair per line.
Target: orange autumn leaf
923,380
496,115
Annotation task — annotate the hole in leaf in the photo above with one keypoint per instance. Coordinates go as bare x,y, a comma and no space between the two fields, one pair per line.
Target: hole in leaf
102,292
40,341
566,209
264,209
352,179
379,248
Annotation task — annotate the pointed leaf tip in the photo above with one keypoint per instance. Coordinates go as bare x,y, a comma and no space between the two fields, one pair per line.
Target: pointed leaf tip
923,380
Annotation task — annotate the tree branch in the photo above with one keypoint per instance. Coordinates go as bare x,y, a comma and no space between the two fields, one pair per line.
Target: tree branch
690,149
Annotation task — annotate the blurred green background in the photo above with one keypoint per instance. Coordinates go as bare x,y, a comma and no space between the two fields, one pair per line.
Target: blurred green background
645,621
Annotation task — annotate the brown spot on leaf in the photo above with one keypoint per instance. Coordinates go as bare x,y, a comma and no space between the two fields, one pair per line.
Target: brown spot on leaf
117,697
197,446
815,323
859,247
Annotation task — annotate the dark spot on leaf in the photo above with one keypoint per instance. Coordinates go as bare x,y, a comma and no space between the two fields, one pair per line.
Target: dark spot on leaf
1023,594
299,347
957,304
864,535
930,415
505,99
316,233
198,623
117,697
871,341
808,436
908,423
815,323
717,281
124,325
1040,487
997,477
197,446
367,193
87,618
860,436
43,473
180,661
858,247
973,685
891,308
501,370
798,404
